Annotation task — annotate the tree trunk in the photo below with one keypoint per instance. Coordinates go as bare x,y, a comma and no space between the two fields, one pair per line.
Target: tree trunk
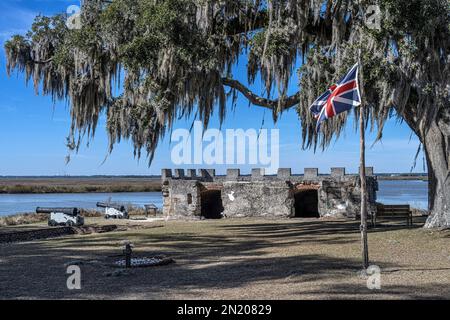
436,141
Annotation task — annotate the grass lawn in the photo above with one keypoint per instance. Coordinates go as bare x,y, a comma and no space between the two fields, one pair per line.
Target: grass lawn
234,259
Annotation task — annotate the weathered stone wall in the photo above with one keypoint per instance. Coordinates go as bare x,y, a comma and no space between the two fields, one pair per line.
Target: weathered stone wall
268,196
181,195
256,198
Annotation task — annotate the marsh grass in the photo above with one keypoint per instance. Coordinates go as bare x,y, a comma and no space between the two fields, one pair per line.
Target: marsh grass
22,219
32,218
79,185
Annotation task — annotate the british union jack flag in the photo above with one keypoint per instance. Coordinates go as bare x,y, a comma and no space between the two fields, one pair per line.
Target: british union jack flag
338,98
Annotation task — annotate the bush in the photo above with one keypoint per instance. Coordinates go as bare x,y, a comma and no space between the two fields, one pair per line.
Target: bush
25,218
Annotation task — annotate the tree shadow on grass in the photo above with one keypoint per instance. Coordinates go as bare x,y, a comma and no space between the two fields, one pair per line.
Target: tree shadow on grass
206,262
42,275
45,277
310,227
433,291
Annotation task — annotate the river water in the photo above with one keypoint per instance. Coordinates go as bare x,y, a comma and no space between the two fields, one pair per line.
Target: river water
413,192
19,203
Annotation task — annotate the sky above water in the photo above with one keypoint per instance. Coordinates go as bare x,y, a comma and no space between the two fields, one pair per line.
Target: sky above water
33,129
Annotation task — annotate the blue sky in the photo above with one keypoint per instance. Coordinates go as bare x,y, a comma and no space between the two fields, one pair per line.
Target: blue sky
33,129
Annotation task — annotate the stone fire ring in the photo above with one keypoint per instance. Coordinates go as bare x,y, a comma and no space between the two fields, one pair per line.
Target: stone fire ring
144,262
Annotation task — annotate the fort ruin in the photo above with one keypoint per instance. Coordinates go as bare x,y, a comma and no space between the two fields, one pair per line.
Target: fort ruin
188,194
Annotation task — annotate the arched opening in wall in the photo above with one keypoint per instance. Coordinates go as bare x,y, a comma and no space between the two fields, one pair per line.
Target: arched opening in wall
307,203
211,202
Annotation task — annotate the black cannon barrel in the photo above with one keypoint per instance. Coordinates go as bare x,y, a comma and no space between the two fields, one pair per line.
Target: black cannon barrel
116,206
69,211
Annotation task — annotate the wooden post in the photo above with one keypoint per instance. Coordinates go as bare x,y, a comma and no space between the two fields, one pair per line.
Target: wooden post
362,170
364,244
128,252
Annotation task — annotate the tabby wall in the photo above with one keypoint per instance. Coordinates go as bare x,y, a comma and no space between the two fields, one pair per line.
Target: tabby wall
260,195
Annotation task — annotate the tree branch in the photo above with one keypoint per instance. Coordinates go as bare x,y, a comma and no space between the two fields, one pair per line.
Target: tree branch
261,19
235,26
43,62
282,104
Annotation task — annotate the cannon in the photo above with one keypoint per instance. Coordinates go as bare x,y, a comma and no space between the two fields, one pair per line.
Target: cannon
114,210
69,211
62,216
114,205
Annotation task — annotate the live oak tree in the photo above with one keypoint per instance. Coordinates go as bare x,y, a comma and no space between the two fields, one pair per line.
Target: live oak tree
147,62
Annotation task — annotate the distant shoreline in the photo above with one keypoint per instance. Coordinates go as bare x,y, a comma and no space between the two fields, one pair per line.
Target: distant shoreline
405,177
99,184
111,184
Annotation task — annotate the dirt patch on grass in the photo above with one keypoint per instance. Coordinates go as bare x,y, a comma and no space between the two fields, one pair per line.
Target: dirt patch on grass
235,259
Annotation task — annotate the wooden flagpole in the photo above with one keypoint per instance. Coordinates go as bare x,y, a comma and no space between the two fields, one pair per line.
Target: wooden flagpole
362,171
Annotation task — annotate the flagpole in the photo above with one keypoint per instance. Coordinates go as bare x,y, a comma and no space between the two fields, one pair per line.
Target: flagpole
362,170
